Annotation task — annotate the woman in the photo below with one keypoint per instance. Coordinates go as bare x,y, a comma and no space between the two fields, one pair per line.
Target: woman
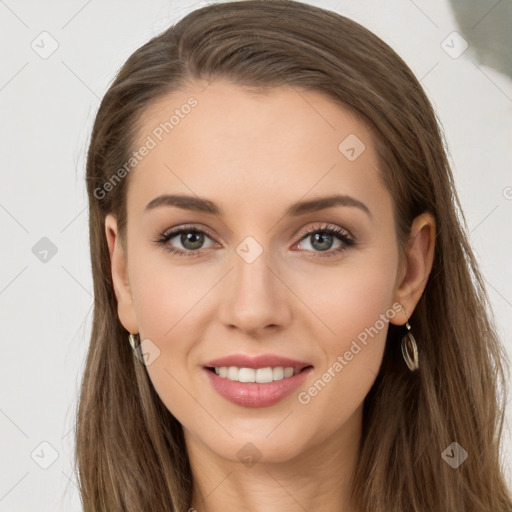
288,315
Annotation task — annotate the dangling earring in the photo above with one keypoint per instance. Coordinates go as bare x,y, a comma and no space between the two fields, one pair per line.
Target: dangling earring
409,346
133,339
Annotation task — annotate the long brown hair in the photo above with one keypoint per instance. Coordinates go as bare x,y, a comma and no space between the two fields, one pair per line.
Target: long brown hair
130,450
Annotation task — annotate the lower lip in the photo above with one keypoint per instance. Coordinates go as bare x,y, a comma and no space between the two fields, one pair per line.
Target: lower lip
253,394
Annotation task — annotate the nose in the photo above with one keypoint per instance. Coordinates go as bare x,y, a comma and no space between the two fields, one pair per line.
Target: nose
254,298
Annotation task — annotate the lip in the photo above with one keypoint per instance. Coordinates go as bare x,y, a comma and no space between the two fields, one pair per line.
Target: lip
254,394
261,361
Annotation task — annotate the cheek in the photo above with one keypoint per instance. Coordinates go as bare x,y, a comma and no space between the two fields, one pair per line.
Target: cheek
169,302
350,297
166,295
356,305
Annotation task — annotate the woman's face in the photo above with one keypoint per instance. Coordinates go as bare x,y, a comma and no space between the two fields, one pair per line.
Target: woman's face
260,273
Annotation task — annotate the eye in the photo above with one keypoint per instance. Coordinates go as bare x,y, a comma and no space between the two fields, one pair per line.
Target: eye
190,237
321,239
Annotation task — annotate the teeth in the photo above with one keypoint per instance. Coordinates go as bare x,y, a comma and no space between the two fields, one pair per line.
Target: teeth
244,374
278,373
259,375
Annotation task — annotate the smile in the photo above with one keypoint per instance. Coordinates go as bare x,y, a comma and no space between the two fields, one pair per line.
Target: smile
259,375
256,381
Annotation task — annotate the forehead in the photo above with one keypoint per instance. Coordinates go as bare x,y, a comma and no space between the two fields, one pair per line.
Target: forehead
242,146
223,111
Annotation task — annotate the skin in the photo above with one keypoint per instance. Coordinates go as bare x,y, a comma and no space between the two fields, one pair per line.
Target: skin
254,155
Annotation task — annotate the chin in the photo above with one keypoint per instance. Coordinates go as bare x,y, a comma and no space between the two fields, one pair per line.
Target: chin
259,446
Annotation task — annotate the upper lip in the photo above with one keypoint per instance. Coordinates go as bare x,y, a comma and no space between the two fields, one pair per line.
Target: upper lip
261,361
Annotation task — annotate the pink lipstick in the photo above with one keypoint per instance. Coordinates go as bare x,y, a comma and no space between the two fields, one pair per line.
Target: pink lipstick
256,381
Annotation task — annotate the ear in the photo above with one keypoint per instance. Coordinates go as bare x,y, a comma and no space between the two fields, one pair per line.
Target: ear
415,270
119,268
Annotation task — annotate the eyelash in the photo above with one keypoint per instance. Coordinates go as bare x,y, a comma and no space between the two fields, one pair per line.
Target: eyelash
341,234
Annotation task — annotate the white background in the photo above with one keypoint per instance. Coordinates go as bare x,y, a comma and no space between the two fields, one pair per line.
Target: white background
47,107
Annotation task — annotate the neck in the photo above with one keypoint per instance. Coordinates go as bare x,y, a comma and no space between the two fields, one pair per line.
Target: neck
317,478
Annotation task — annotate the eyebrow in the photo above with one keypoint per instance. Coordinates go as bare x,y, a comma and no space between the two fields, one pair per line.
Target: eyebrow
199,204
